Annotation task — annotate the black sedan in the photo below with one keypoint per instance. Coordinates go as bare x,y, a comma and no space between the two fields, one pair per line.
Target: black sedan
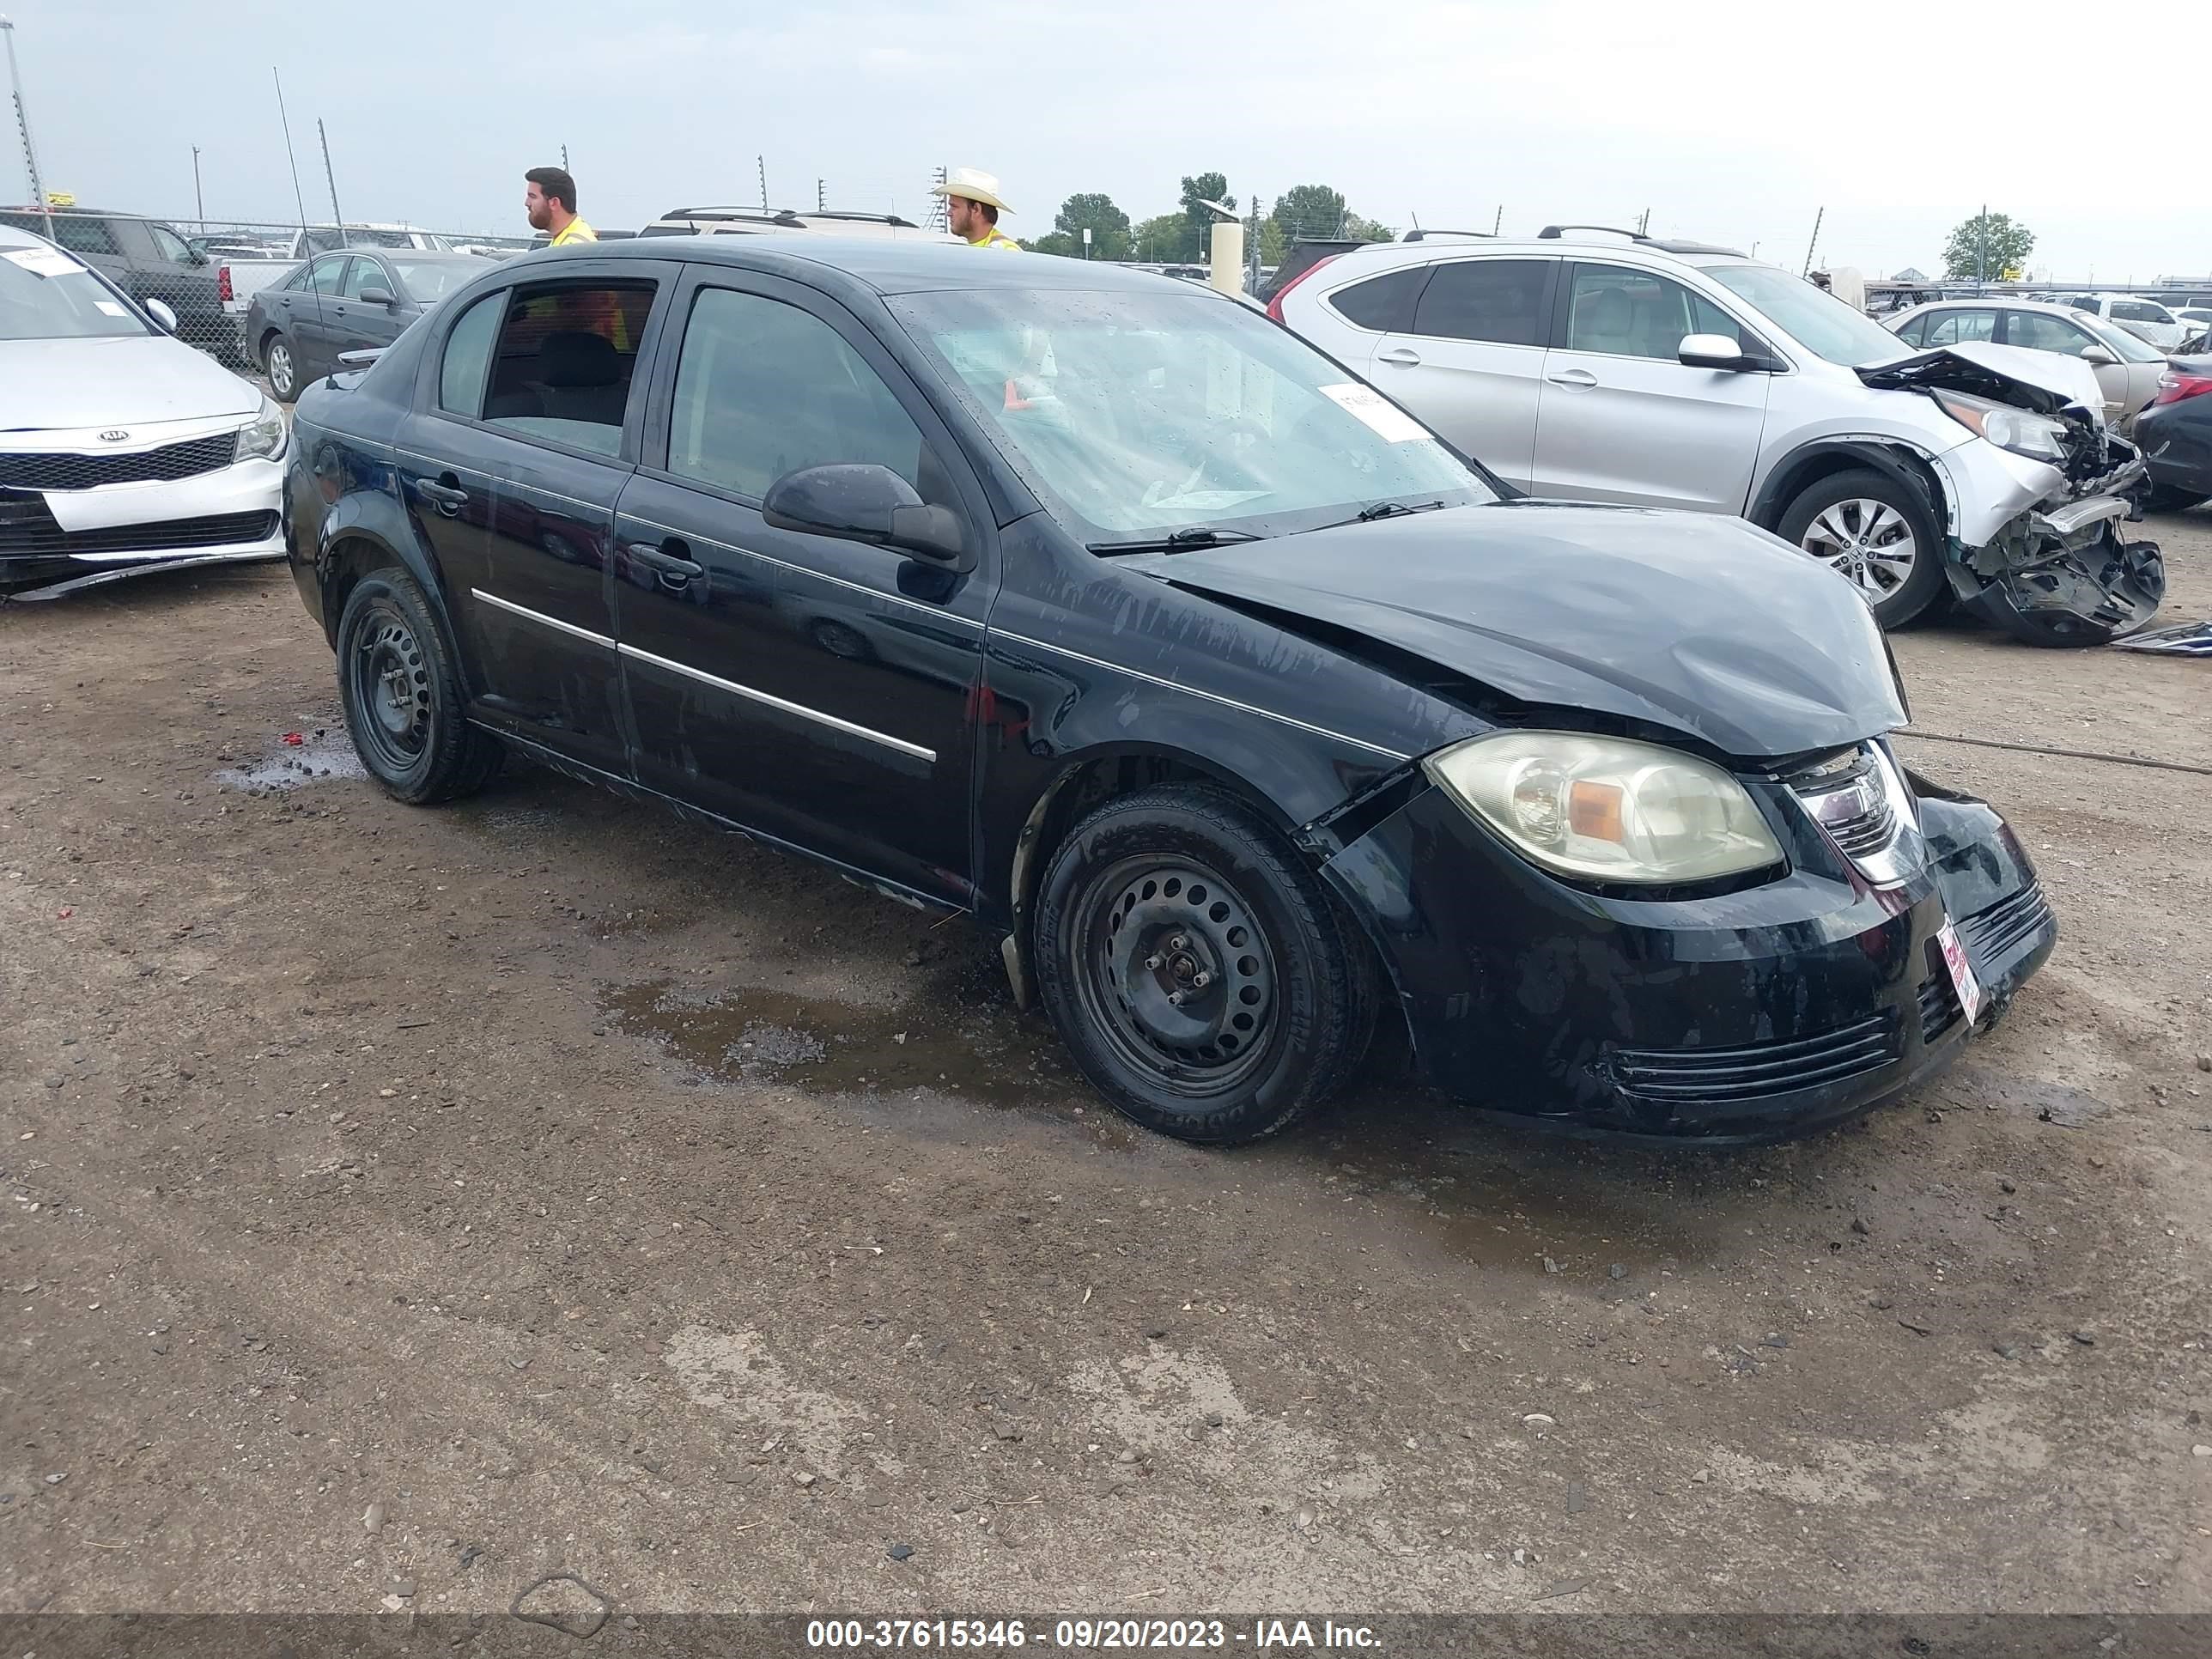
2176,436
353,300
1241,709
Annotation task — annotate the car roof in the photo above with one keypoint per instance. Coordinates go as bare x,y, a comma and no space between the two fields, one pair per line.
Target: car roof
882,267
2000,301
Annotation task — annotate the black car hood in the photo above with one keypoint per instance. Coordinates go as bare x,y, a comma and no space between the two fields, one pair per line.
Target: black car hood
1692,622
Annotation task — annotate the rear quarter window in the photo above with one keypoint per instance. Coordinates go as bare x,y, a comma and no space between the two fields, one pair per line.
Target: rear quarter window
1383,303
1498,300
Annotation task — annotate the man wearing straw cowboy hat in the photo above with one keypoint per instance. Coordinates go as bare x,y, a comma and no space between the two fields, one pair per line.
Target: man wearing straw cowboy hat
973,207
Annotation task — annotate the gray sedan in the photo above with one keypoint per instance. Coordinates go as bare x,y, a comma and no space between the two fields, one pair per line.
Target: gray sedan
2127,368
351,300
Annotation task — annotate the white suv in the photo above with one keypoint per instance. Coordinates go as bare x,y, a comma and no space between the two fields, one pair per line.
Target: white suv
1675,375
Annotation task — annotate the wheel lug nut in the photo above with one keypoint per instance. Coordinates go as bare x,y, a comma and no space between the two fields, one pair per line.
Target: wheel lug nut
1201,978
1177,943
1176,998
1155,963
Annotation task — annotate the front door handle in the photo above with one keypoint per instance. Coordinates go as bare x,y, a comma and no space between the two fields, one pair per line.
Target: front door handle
446,495
666,564
1573,377
1403,356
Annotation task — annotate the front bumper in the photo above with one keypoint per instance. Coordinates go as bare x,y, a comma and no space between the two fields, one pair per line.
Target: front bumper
1769,1011
56,541
2030,538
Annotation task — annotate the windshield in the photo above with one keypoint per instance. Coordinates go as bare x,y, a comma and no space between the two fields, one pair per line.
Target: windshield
431,279
46,296
1815,319
2121,343
1141,413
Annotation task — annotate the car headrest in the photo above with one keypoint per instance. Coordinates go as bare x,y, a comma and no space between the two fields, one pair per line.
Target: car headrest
577,359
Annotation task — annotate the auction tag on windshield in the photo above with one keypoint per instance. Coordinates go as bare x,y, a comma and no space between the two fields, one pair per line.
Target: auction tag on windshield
43,261
1962,972
1377,411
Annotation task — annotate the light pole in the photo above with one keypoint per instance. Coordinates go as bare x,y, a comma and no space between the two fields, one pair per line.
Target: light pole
23,124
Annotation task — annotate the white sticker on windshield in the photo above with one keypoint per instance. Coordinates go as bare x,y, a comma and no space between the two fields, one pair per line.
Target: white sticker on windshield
1377,411
109,308
43,261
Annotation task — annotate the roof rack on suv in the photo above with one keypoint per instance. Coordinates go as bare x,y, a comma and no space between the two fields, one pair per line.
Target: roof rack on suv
1555,233
892,219
1418,235
776,215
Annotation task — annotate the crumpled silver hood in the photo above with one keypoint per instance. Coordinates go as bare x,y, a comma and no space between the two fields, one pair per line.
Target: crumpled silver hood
2045,381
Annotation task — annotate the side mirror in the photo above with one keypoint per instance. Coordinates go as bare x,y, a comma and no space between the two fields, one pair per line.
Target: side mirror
861,502
159,312
378,296
2098,357
1712,351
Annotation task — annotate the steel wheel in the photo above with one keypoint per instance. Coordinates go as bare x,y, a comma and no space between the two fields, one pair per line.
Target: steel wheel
283,376
1868,543
391,686
1175,973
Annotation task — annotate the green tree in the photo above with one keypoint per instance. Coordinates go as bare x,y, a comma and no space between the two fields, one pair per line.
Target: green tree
1273,243
1198,220
1308,210
1094,210
1366,230
1159,241
1992,246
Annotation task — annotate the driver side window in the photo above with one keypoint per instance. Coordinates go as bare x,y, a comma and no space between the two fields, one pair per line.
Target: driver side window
764,388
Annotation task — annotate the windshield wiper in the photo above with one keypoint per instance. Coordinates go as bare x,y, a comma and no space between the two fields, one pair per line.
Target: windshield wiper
1176,541
1375,510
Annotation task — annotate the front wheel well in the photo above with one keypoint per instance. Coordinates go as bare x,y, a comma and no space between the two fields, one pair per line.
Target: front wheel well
1083,787
1801,472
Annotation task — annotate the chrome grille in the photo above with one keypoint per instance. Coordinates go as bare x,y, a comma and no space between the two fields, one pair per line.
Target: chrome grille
1759,1070
1862,833
163,465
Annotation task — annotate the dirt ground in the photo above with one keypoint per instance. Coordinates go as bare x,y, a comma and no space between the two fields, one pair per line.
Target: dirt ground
401,1204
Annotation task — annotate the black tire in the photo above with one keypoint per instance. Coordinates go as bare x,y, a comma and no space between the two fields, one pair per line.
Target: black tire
402,697
281,368
1286,1006
2172,498
1824,516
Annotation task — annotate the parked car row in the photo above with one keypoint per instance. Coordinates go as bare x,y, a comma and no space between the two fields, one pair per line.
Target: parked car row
1244,710
1626,369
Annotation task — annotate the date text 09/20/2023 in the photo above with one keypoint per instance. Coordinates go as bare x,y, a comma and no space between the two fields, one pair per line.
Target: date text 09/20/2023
1091,1634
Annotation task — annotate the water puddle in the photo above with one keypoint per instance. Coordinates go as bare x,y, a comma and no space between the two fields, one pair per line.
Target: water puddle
323,752
745,1035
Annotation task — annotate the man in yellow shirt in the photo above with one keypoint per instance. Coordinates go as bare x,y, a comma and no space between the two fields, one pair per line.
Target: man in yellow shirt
549,196
972,208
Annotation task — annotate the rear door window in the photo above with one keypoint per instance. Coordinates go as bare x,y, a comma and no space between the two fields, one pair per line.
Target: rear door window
566,355
1614,311
2135,311
1500,301
1383,303
1962,327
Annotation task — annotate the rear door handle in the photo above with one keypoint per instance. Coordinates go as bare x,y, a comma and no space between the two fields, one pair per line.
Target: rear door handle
1574,377
666,564
449,498
1404,357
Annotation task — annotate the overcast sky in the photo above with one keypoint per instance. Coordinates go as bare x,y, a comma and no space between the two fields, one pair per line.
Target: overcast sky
1733,120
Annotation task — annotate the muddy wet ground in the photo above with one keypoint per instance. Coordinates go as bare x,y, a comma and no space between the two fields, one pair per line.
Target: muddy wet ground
404,1204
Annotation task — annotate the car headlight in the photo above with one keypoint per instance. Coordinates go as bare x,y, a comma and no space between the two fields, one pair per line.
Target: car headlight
1607,808
2036,436
265,438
